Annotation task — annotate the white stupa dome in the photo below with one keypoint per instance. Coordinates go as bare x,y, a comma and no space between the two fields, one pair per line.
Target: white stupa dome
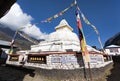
62,24
63,32
63,39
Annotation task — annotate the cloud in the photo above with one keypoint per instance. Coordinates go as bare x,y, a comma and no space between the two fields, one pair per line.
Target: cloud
16,18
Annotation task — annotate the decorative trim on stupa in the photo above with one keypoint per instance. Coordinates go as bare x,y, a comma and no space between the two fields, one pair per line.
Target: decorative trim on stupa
63,24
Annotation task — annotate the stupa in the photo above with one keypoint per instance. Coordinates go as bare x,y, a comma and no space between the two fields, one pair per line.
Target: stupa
61,50
63,39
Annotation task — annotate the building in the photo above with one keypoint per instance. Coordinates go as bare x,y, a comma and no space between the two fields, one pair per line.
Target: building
61,50
4,48
113,50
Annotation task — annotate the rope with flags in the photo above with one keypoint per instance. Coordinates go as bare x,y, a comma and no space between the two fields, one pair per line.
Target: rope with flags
27,37
58,14
13,39
95,29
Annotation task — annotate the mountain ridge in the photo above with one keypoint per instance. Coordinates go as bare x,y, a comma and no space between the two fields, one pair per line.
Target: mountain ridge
114,40
7,35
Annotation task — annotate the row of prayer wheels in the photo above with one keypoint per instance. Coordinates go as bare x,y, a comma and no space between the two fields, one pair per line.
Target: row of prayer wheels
37,59
14,58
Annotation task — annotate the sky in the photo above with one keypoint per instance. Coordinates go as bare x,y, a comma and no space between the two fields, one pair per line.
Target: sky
104,14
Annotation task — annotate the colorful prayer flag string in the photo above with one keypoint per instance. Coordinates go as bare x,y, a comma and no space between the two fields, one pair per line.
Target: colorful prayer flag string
95,29
13,39
28,38
85,19
59,14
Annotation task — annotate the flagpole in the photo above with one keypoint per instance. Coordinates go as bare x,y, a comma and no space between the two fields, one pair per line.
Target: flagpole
90,74
85,53
84,69
13,40
12,43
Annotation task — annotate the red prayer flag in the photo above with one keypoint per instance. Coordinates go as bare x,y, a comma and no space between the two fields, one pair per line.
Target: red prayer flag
84,50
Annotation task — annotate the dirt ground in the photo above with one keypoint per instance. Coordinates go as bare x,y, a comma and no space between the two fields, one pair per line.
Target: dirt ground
9,73
114,73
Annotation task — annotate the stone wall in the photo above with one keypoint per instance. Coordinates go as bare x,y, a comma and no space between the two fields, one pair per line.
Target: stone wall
67,61
70,75
64,61
59,61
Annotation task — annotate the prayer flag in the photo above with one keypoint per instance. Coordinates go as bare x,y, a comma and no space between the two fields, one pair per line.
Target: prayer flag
73,4
82,38
13,39
12,43
85,19
55,16
11,50
95,29
49,19
60,13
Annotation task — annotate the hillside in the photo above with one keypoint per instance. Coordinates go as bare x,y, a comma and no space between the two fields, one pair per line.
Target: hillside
115,40
7,34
